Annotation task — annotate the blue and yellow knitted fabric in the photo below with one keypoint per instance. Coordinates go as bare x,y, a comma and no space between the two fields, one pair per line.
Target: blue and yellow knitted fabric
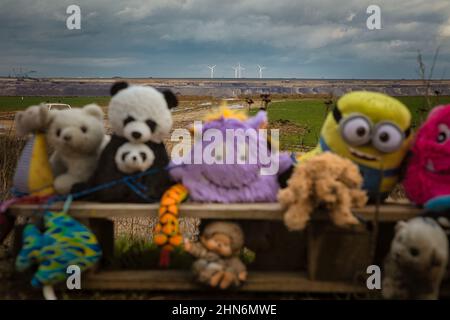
65,242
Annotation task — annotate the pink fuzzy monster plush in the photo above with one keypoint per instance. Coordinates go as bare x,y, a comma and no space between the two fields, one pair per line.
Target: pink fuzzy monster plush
428,171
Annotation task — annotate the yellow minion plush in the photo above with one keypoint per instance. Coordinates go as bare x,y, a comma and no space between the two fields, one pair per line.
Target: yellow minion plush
374,131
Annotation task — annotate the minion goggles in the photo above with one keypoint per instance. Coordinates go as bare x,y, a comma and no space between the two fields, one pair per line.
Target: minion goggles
358,130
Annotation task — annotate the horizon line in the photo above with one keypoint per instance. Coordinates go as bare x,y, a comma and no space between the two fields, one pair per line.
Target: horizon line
214,79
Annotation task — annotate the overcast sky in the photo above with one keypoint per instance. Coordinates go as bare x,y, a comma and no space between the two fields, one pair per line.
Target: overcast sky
179,38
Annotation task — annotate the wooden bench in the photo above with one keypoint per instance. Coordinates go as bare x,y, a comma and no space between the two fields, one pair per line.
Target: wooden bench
325,258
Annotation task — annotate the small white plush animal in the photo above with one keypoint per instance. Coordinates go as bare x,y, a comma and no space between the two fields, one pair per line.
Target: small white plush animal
77,136
31,120
417,261
134,157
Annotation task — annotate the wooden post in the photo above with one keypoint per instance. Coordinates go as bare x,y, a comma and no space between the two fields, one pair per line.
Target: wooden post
336,254
104,231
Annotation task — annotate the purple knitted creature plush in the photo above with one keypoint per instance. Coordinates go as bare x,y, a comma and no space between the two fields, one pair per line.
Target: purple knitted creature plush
245,170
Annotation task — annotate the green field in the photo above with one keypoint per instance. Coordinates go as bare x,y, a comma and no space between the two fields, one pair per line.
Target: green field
307,114
310,114
17,103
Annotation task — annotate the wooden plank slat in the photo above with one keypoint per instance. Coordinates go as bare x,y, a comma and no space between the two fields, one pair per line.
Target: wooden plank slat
389,212
163,280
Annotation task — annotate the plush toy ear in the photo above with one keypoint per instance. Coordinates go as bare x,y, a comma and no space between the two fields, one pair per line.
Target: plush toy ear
118,86
400,225
171,98
94,110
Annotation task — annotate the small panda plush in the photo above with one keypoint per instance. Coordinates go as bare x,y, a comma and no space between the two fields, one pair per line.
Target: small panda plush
134,157
140,119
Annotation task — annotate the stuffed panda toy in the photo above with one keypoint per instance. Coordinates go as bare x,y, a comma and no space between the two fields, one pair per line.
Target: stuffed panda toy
131,157
140,119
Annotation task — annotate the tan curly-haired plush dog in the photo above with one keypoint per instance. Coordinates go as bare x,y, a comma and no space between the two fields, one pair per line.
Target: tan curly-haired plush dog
325,179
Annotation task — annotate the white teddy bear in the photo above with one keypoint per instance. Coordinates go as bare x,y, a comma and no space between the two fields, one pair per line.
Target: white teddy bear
416,263
77,136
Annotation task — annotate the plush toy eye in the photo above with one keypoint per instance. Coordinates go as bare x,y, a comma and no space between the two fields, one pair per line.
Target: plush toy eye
442,137
124,155
151,124
414,251
84,129
58,132
387,138
356,130
143,156
444,133
128,120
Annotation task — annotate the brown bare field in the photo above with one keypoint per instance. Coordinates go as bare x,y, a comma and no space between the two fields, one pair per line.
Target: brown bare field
220,87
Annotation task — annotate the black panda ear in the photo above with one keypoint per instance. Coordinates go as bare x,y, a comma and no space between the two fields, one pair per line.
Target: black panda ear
116,87
171,98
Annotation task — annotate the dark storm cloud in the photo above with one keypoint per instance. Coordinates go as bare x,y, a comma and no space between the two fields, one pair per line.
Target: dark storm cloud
314,38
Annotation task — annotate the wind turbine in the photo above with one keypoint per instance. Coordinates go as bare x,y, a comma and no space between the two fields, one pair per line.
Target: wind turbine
240,68
212,70
235,71
260,70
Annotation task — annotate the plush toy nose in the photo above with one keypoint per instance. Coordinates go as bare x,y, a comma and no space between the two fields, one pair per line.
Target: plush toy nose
67,138
136,134
134,158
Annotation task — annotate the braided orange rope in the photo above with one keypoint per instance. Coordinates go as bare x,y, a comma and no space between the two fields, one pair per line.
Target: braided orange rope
167,232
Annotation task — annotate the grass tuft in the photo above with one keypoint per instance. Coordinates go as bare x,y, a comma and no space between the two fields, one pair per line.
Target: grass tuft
10,149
